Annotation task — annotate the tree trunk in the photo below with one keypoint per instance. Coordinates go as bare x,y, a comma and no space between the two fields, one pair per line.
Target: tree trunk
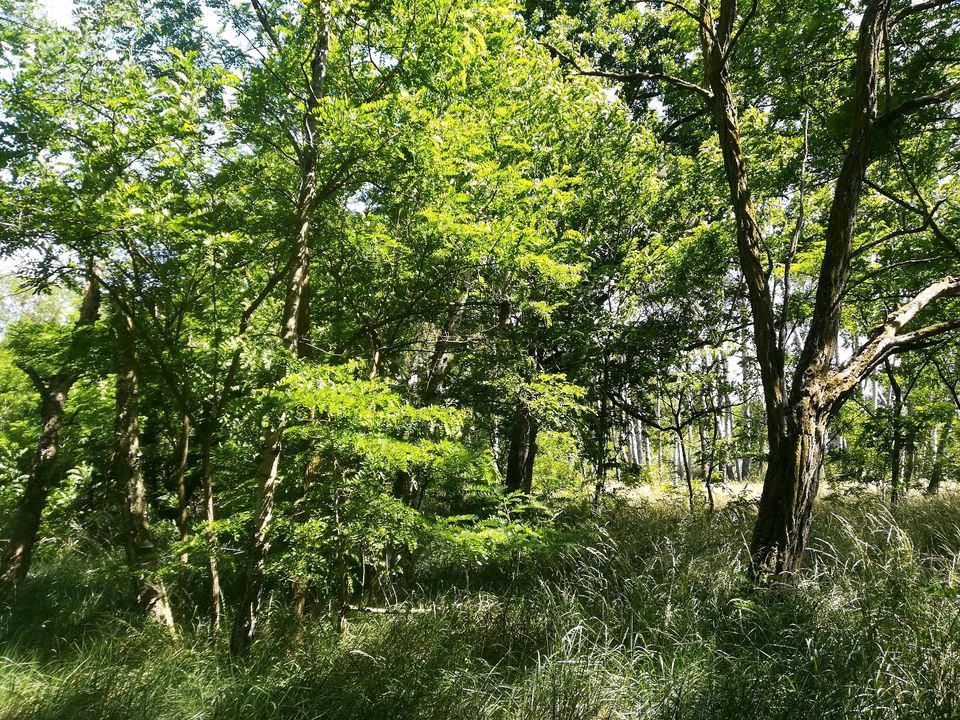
659,444
712,464
128,471
206,473
789,489
183,500
442,355
245,622
294,331
704,451
939,459
796,421
603,429
22,536
299,587
26,522
685,465
910,464
403,486
896,465
897,445
523,451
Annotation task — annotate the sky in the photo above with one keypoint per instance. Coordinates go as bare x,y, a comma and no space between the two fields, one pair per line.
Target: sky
59,11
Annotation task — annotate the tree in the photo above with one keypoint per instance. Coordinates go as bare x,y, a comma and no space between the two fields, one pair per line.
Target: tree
800,404
128,470
340,118
53,386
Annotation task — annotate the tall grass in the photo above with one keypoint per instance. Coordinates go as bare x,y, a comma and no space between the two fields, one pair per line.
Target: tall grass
652,618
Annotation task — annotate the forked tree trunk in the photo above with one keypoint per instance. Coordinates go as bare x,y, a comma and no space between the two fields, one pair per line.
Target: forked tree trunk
797,414
128,471
25,525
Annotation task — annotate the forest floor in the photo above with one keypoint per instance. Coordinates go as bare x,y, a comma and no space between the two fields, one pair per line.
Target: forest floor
749,490
647,614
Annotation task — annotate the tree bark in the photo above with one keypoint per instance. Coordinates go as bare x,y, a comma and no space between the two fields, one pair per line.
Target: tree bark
789,490
128,471
523,450
26,522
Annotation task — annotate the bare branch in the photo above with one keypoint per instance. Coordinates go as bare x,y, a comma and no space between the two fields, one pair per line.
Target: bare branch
912,105
921,7
678,424
638,76
888,339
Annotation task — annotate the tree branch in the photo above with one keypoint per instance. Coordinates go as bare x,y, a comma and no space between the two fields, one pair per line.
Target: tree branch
924,212
34,376
821,342
638,76
921,7
731,46
888,339
914,104
265,24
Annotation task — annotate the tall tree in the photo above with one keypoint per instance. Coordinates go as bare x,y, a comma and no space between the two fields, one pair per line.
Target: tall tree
295,319
799,404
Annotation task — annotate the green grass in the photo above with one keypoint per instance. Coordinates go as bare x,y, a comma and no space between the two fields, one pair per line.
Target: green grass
651,618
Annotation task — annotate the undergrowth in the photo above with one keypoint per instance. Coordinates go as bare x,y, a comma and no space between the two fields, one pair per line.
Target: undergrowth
648,615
